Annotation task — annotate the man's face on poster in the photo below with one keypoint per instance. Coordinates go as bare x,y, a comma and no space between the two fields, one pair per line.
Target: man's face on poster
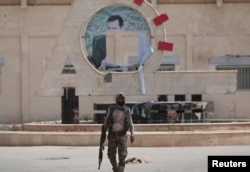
113,26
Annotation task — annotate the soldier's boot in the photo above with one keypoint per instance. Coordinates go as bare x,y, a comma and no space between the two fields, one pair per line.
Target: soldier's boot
121,168
114,165
115,170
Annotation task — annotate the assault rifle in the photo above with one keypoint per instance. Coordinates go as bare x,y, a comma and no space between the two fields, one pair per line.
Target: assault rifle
101,148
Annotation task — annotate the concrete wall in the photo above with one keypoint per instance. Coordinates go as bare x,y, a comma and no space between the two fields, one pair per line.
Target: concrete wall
27,37
35,42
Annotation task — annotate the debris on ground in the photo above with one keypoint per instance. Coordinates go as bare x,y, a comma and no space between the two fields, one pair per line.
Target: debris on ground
134,160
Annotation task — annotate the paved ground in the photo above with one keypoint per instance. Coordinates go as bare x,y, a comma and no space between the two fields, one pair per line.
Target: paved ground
85,159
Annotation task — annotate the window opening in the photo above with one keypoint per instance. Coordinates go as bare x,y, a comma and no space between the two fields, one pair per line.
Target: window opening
68,67
166,67
162,98
180,97
243,75
196,97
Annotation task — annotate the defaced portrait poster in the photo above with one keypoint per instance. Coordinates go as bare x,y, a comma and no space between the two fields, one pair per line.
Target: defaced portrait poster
115,20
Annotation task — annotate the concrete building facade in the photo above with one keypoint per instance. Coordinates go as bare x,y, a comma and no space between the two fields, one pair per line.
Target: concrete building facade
39,37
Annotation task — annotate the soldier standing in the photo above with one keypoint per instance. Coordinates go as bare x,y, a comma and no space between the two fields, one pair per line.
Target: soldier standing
118,122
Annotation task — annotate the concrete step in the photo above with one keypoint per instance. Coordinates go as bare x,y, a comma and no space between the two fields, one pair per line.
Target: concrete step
141,127
142,139
147,135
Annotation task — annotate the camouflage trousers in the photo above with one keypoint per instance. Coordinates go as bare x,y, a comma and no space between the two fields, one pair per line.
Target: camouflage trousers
117,142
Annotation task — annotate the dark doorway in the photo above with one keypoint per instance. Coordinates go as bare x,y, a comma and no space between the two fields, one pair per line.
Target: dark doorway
69,102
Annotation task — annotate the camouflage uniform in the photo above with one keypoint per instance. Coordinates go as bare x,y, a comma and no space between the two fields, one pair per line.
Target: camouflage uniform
118,122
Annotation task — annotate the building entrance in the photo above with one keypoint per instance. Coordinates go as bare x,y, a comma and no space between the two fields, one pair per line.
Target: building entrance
69,104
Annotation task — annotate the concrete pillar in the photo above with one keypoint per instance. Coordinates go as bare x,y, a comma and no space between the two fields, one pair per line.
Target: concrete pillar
189,52
24,62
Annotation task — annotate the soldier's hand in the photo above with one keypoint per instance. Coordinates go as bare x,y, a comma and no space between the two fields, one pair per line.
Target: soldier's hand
132,139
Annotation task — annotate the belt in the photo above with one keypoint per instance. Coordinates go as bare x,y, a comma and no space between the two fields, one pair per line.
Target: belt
119,133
